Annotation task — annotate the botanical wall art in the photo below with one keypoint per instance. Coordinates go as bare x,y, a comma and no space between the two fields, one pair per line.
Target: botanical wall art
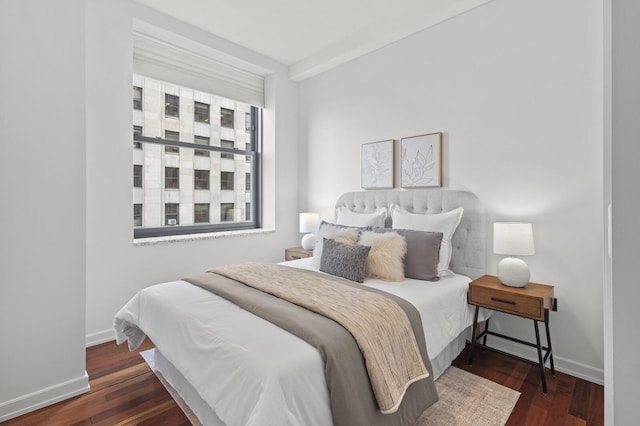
421,160
377,164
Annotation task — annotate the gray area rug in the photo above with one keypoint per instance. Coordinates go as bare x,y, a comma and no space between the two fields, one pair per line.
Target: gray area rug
465,399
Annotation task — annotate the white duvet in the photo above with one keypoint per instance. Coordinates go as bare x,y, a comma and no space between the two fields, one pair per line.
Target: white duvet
251,372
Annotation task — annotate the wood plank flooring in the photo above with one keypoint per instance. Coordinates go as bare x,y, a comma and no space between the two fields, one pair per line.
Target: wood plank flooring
124,391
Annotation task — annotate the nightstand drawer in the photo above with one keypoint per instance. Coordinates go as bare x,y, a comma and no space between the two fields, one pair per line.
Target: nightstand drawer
505,302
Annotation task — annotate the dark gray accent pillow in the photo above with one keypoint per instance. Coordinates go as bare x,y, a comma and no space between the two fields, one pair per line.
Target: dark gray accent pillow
423,252
344,260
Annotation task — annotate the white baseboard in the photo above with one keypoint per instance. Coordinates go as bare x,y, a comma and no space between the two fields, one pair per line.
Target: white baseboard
100,337
43,397
573,368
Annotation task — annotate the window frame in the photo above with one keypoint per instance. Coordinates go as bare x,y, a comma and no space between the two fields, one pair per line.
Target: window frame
255,155
198,114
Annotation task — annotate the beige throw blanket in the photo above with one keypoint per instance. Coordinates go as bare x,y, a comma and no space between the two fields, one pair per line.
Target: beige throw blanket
378,324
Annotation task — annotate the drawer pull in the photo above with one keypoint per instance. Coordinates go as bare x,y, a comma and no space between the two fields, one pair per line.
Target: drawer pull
510,302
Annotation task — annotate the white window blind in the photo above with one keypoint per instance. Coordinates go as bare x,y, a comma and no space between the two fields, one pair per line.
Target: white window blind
164,61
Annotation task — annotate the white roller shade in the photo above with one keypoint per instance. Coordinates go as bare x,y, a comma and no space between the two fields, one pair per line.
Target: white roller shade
164,61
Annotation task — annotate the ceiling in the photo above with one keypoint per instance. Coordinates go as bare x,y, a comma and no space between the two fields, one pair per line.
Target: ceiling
312,36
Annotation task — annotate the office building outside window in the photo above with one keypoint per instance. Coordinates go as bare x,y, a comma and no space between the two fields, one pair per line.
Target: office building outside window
191,187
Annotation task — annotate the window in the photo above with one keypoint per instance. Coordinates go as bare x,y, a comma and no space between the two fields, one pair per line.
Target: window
201,179
201,112
171,178
137,176
201,213
171,214
187,189
227,144
171,105
201,140
137,98
226,118
247,122
137,215
226,181
137,131
226,212
171,136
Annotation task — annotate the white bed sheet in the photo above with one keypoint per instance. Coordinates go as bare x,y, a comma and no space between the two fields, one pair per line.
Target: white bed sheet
251,372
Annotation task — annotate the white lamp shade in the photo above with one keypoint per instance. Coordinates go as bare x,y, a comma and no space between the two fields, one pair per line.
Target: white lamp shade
513,239
309,222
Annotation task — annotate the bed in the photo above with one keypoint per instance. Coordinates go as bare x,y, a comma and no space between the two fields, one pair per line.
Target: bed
233,367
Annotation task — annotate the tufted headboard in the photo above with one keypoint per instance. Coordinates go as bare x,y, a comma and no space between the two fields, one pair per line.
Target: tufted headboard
468,242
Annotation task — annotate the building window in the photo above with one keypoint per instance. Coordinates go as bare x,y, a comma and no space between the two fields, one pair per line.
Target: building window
226,181
227,144
201,213
226,118
201,140
137,176
171,136
226,212
137,215
201,179
209,199
171,105
137,131
171,214
247,122
201,112
171,178
137,98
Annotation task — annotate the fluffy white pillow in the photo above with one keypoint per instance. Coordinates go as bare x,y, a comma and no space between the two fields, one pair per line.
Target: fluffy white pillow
386,257
441,222
346,217
341,234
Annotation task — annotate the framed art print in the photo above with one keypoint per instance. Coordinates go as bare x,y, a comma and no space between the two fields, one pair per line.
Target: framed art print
377,164
421,160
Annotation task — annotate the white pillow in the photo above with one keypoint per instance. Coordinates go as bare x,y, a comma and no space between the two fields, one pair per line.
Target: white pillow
346,217
440,222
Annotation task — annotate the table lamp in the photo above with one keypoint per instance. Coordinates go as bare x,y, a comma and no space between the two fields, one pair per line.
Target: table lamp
513,239
308,225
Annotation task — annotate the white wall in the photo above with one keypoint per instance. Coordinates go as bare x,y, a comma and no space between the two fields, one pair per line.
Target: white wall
42,232
516,86
116,269
625,175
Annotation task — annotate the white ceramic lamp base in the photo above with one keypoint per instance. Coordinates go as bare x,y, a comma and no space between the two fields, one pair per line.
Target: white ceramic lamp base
308,241
513,272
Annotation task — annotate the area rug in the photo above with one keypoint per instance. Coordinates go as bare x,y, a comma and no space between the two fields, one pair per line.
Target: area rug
465,399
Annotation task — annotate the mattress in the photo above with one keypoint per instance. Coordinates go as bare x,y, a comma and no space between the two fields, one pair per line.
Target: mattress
250,372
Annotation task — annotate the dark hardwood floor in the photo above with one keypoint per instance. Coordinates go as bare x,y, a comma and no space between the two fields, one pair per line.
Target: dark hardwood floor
124,391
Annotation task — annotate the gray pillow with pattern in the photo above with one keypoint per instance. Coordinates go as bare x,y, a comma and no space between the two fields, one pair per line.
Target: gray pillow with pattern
344,260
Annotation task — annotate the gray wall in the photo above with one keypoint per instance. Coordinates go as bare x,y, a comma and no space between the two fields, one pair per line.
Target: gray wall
625,175
517,87
42,226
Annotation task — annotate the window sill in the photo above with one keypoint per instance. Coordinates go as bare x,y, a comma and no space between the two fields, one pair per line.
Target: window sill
198,237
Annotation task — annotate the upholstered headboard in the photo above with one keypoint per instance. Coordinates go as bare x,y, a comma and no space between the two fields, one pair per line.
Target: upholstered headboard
468,242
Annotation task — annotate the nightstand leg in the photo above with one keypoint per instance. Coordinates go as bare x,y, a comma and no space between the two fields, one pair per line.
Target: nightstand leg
540,360
473,335
486,328
553,370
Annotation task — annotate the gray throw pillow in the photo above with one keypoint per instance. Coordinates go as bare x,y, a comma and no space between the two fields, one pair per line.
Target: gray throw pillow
423,251
344,260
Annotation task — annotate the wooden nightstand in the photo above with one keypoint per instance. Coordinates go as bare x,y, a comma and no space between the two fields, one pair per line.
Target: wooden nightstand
532,301
294,253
